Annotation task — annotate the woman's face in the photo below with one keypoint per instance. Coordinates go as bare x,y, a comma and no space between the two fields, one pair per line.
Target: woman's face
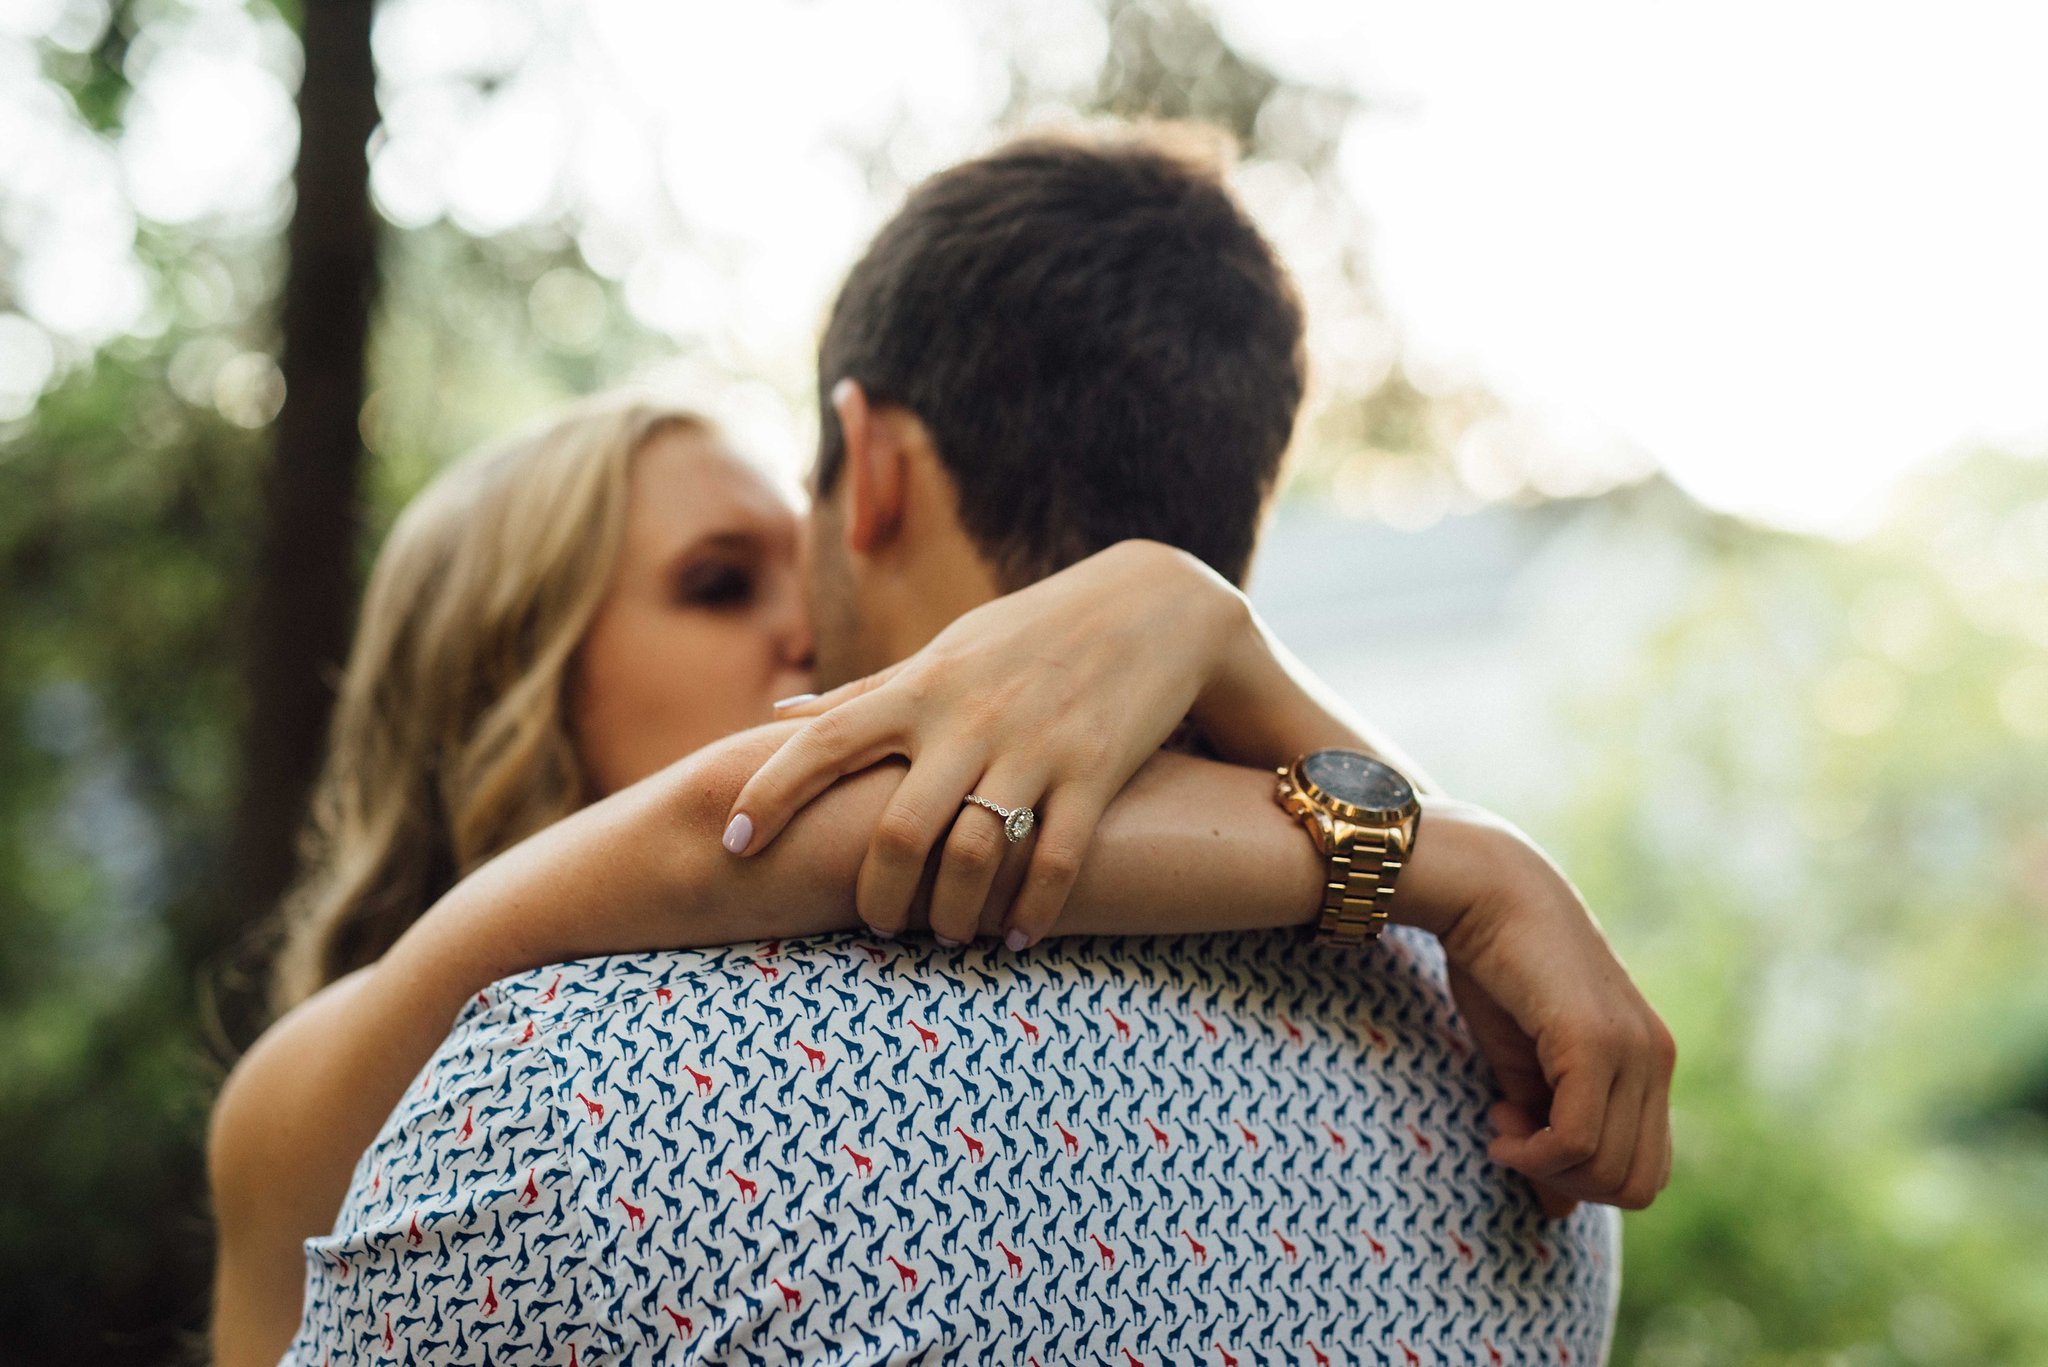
704,625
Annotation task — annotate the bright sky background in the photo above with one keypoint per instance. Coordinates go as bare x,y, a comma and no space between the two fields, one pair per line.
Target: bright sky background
1789,249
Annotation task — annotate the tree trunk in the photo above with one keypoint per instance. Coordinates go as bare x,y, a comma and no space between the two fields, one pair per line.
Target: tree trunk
303,597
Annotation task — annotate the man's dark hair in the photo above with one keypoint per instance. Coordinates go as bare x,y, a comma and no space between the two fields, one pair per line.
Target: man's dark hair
1099,341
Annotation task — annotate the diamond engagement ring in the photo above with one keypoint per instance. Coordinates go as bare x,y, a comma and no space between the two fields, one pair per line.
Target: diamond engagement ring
1017,821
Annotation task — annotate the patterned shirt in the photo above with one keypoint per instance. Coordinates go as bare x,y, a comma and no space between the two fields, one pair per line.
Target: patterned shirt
1217,1149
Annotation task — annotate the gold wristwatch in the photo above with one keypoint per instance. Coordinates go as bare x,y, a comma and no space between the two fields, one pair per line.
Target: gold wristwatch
1362,815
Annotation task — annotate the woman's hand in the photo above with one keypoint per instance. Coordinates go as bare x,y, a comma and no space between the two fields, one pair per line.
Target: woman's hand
1583,1061
1050,698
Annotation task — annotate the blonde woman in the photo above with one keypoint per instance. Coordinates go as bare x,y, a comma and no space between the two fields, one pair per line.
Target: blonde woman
567,667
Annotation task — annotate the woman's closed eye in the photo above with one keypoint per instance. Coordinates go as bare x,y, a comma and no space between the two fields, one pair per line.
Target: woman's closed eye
716,584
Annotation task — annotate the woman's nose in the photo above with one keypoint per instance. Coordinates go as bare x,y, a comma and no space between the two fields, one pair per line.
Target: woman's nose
798,646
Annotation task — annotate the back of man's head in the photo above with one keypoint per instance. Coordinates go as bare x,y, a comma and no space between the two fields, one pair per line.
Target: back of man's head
1098,340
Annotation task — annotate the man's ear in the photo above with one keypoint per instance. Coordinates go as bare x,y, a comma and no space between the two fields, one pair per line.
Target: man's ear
875,472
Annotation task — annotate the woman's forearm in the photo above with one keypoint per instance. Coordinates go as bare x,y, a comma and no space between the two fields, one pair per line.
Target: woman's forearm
1189,845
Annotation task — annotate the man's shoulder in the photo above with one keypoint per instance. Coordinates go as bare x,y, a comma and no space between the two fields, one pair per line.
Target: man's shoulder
561,992
655,992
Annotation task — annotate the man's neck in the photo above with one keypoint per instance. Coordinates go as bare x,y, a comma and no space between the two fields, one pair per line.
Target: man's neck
935,574
922,603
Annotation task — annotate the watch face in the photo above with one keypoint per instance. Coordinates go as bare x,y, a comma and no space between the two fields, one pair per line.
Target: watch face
1357,780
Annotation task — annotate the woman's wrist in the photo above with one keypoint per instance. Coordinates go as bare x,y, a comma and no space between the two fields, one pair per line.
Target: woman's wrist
1461,856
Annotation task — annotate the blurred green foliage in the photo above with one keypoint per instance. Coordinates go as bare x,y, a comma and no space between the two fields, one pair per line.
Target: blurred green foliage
1816,818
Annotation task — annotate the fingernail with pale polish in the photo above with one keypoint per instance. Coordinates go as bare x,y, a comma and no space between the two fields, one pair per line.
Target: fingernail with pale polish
793,699
738,833
1016,940
948,943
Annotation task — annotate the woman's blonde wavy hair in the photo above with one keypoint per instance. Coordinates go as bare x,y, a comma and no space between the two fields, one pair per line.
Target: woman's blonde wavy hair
451,739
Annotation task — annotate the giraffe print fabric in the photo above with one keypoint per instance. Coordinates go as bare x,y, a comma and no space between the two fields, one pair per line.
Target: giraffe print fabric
1216,1149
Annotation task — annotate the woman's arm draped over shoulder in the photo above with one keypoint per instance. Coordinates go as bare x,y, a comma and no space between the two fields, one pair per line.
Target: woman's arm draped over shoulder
1190,845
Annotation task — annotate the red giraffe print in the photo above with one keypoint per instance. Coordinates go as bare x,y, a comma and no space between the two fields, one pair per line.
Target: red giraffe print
1228,1360
747,1189
1201,1251
377,1181
388,1339
468,1113
1379,1041
1422,1140
527,1038
906,1275
1293,1255
412,1233
532,1193
861,1162
1030,1030
1158,1135
791,1297
1379,1250
703,1080
662,994
340,1266
1131,1360
815,1057
1542,1249
550,995
491,1295
929,1039
572,1355
1016,1263
769,971
1335,1138
1322,1358
873,952
771,949
1208,1026
1564,1354
636,1216
682,1322
1068,1137
1408,1354
596,1110
1123,1030
1293,1030
1464,1249
974,1149
1108,1253
1249,1137
483,999
1493,1357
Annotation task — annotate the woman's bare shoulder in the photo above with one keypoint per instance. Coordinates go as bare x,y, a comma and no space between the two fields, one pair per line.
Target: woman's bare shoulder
254,1127
263,1206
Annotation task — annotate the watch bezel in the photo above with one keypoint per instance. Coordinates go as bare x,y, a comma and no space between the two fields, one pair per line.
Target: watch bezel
1354,815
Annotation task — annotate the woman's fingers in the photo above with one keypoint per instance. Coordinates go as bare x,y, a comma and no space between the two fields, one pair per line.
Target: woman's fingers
812,704
1651,1167
827,749
1572,1136
974,851
1513,1120
1066,828
1645,1169
916,819
1602,1177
